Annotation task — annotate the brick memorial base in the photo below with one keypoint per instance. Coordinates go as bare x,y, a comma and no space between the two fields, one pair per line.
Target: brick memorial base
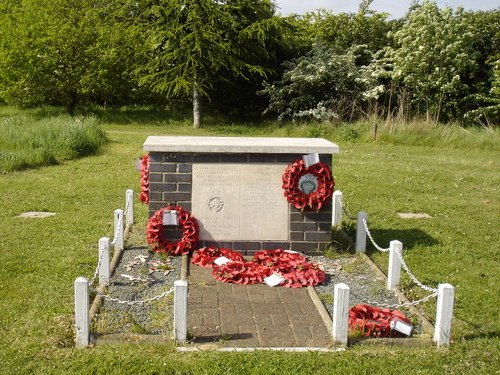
233,187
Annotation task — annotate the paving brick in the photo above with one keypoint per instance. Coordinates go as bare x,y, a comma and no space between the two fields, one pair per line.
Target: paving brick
252,316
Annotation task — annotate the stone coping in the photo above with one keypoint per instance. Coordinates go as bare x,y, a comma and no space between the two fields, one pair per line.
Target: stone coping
260,145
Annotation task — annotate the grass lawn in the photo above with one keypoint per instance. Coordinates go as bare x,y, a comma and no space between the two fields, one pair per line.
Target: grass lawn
40,258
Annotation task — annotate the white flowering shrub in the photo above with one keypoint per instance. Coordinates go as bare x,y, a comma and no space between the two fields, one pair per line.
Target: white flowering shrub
324,86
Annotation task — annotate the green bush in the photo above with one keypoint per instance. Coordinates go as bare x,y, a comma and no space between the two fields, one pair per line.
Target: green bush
26,142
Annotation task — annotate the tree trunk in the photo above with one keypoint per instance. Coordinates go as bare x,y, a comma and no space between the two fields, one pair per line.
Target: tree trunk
197,110
71,105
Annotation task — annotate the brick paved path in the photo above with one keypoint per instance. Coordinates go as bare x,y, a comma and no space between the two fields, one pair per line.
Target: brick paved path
252,316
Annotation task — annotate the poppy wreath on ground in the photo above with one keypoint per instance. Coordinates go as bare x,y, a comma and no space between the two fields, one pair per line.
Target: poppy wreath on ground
292,266
205,256
301,275
239,272
156,237
374,321
278,257
307,187
144,194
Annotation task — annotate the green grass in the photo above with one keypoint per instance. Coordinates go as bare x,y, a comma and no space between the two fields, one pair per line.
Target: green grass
30,142
456,185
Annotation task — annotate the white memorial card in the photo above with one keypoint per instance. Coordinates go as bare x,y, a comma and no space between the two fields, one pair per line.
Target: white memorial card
170,217
310,159
400,326
221,261
138,165
274,280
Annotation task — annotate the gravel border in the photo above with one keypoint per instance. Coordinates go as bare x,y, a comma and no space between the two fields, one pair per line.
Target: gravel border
150,318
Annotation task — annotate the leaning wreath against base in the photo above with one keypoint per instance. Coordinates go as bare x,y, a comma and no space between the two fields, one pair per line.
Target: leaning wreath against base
373,321
144,195
156,237
307,187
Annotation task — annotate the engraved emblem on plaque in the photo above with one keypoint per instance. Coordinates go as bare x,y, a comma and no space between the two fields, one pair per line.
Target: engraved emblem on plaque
216,204
308,183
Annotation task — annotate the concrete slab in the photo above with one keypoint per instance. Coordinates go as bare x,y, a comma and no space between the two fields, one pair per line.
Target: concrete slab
258,145
36,215
414,215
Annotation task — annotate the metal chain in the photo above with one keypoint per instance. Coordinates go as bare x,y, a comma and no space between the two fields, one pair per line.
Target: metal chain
400,305
96,272
403,263
131,303
345,211
127,205
371,238
412,276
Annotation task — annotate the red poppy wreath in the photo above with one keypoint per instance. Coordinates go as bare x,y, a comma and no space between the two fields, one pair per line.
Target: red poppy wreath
156,236
144,194
308,187
374,321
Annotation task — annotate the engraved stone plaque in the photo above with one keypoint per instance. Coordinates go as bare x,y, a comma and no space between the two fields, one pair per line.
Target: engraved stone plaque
244,202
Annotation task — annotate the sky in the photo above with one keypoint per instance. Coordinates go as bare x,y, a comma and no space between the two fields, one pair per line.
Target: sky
396,8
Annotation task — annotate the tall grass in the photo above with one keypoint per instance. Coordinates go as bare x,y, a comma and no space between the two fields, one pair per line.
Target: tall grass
412,133
29,142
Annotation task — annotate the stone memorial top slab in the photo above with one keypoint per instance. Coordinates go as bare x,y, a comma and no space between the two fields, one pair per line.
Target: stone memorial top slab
259,145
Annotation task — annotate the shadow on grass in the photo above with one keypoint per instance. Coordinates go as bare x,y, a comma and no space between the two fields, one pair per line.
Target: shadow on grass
343,239
410,238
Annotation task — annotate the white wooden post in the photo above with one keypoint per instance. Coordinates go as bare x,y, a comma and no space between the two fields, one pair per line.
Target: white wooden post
180,310
394,271
340,313
338,199
118,235
104,270
444,314
129,203
82,319
361,232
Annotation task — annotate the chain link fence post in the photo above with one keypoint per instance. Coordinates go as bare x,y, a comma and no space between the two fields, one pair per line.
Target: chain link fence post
119,230
340,314
129,204
444,314
394,271
337,208
361,232
180,310
104,269
82,319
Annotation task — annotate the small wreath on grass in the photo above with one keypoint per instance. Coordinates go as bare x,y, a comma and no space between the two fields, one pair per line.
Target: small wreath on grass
144,194
156,237
307,187
373,321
